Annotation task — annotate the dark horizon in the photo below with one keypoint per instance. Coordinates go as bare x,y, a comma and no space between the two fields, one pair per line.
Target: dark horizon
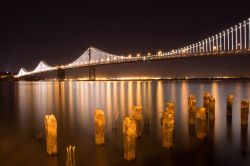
59,32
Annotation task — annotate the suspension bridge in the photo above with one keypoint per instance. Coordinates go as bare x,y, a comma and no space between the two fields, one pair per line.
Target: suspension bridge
234,40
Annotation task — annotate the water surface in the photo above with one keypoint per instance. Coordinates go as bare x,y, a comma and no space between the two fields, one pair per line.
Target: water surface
24,104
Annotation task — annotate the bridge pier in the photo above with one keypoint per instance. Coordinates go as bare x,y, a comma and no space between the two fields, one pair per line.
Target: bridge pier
60,74
91,73
91,67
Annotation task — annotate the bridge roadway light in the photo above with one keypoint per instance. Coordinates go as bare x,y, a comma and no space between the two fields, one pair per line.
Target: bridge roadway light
159,53
129,56
182,50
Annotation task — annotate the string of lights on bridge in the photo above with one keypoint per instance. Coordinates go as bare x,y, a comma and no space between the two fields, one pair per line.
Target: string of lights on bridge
234,40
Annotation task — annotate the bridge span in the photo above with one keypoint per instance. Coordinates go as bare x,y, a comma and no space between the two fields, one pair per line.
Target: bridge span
205,58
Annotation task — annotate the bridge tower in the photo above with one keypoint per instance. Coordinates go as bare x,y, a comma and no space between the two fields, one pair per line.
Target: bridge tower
91,68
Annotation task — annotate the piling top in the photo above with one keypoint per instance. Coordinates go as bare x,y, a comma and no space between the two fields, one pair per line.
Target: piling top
164,114
211,99
201,113
50,117
206,94
50,120
137,108
137,112
191,101
167,115
192,97
230,97
129,126
99,117
70,147
244,103
170,107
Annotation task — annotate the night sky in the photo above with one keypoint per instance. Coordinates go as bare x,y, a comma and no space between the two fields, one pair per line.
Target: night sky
59,32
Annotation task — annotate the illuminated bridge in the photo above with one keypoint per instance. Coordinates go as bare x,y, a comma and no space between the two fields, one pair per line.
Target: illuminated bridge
234,41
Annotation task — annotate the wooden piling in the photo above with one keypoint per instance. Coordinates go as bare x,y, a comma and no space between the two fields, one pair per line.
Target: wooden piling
137,116
206,96
201,122
211,108
191,109
230,104
51,134
129,133
244,112
70,160
99,127
168,126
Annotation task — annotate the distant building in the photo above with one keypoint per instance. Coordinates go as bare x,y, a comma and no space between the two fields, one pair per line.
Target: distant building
7,75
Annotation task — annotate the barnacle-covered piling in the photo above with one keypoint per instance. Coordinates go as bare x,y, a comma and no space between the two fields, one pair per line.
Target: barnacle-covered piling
51,134
99,127
129,133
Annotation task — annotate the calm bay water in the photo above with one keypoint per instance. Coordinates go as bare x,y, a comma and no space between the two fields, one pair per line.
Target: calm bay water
24,104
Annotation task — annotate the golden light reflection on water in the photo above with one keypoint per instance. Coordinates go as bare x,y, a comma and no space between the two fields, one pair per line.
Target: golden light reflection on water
115,95
215,94
160,105
184,103
138,93
73,102
71,105
122,99
172,91
149,96
70,93
130,97
237,99
62,101
218,115
56,95
108,110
